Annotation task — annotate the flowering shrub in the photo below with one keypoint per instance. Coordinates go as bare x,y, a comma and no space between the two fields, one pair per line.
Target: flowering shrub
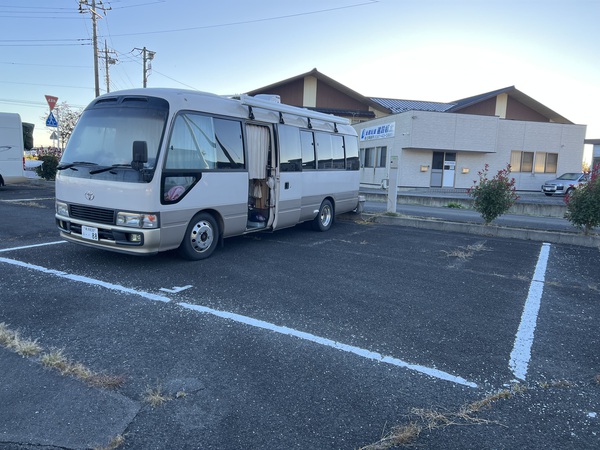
583,203
49,151
493,197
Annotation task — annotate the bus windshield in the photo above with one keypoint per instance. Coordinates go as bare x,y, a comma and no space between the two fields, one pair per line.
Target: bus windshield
104,137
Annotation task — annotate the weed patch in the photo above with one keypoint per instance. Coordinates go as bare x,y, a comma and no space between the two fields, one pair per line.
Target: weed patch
115,443
465,253
401,435
13,341
56,360
431,419
556,384
156,397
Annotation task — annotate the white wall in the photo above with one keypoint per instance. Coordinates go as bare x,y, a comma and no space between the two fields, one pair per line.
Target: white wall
477,140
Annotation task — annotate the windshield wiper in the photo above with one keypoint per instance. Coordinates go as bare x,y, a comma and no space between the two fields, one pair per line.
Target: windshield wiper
106,169
75,163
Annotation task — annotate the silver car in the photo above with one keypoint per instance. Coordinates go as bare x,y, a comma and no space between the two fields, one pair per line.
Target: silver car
564,184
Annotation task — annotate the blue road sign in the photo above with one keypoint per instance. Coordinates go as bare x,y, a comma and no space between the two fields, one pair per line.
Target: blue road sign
51,121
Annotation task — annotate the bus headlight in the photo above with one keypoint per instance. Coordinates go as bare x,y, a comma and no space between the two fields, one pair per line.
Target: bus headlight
137,220
62,209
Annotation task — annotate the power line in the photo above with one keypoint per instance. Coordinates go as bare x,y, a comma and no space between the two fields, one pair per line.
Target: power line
31,104
44,84
42,65
46,45
244,22
37,8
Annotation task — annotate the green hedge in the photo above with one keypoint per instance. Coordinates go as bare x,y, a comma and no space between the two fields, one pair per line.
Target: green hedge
47,170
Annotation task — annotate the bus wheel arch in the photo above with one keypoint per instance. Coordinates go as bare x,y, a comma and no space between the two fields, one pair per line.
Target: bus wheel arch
325,216
201,237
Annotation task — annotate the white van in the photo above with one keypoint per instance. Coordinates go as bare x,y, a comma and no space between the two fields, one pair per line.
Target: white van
11,149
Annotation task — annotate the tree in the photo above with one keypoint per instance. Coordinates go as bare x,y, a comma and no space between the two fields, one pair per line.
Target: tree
583,203
493,197
67,118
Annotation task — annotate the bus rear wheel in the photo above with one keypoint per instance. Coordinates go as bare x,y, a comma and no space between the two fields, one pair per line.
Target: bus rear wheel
324,219
201,237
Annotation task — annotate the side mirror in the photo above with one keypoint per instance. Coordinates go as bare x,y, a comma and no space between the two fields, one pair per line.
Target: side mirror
140,154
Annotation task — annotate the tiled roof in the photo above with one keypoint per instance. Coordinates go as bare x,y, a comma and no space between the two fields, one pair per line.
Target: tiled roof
346,112
464,102
398,106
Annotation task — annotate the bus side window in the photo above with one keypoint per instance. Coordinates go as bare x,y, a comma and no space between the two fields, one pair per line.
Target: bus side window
192,143
229,144
290,149
337,147
308,150
324,152
351,146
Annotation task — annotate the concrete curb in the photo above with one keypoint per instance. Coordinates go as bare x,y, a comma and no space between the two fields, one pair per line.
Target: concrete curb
552,237
519,208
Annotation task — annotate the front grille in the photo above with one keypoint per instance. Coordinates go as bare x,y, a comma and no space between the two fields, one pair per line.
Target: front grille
99,215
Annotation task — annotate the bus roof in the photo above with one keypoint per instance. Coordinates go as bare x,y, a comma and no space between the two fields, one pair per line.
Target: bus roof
243,107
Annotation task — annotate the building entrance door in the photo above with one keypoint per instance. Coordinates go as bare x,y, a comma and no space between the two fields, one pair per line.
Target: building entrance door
437,167
449,167
443,165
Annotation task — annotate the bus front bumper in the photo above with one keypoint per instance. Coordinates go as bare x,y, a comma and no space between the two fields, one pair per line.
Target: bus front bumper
135,241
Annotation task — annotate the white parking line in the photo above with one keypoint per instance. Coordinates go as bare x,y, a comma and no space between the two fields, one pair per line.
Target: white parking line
329,343
87,280
521,353
31,246
435,373
17,200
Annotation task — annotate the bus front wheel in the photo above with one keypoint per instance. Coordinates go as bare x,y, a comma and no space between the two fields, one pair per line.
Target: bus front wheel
201,237
324,219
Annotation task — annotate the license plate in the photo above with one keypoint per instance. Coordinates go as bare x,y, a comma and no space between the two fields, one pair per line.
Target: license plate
90,233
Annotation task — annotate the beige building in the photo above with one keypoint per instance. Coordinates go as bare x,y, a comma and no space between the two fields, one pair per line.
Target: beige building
444,145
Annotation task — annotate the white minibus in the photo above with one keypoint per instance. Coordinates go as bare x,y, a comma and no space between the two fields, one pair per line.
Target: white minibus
150,170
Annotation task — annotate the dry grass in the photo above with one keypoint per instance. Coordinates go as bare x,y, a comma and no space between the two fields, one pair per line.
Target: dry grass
479,247
460,254
401,435
115,443
486,402
556,384
155,396
465,253
12,340
58,361
431,419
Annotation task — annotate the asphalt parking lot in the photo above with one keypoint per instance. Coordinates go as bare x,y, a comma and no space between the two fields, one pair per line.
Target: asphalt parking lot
299,339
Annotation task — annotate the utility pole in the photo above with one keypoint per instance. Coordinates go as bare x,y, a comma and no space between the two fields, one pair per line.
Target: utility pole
107,61
91,8
147,57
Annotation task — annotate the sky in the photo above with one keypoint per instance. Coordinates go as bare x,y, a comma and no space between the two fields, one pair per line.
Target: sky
434,50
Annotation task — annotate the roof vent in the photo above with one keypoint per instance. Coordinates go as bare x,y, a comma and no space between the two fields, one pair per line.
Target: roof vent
269,97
